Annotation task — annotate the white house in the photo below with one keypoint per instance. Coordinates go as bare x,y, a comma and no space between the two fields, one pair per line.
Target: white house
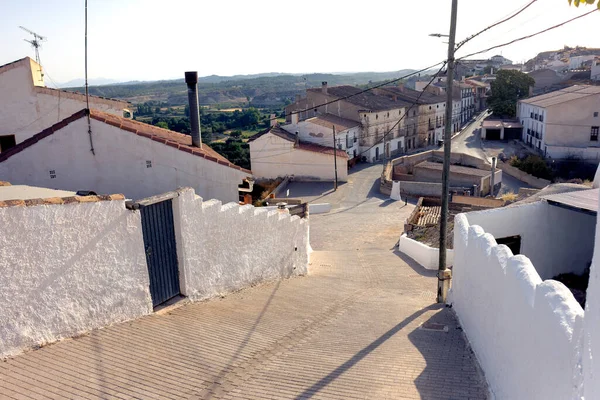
119,156
529,331
277,153
27,106
319,130
595,73
564,123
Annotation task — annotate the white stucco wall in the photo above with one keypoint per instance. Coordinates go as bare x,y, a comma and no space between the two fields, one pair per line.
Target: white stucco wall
68,268
222,248
27,109
118,166
556,240
272,157
524,332
427,256
318,134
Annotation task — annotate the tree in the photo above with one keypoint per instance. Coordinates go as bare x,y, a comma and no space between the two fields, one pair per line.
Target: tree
162,124
577,2
507,89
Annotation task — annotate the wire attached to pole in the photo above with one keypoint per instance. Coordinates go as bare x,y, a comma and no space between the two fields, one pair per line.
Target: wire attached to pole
87,95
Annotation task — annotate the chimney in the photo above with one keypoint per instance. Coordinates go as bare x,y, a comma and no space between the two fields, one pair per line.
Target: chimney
273,120
297,140
492,181
324,87
191,79
298,97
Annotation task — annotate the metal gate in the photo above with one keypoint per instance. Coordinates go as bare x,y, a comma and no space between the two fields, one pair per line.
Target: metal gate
160,246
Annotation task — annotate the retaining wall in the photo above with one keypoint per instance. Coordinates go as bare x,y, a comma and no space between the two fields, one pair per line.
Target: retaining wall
68,265
531,180
223,248
525,332
427,256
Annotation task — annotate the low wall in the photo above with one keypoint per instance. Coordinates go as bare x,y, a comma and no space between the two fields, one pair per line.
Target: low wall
68,265
477,201
590,154
531,180
524,331
223,248
427,256
321,208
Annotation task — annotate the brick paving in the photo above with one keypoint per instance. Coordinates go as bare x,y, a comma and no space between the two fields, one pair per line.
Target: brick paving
348,330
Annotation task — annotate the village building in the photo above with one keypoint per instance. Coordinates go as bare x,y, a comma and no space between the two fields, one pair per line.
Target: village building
564,123
119,156
319,130
28,106
276,152
383,117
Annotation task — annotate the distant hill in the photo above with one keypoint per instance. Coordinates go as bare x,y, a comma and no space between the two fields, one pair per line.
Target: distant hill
563,55
260,90
93,82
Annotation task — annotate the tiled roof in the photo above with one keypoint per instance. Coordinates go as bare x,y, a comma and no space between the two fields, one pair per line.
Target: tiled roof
411,96
174,139
563,96
57,92
328,120
497,124
302,145
367,100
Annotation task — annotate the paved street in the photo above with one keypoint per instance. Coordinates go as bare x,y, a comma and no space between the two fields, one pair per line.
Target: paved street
351,329
469,142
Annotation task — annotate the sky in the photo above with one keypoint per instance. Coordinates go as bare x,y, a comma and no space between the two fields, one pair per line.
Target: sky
157,39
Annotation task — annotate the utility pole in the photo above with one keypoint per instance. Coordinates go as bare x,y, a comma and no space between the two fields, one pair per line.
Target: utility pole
335,183
445,275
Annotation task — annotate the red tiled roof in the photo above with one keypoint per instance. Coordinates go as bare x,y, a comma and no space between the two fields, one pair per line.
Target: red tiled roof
174,139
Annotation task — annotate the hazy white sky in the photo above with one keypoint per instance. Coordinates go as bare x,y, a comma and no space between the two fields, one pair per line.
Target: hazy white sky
158,39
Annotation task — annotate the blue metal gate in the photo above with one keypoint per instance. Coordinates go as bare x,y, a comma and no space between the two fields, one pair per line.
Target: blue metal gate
159,243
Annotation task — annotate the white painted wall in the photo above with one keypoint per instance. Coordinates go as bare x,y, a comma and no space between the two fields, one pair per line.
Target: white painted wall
66,269
118,166
427,256
222,248
595,72
27,109
556,240
272,157
525,332
318,134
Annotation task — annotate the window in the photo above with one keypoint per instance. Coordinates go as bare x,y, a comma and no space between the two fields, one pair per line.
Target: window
596,114
535,116
541,117
594,134
388,114
376,116
532,114
6,142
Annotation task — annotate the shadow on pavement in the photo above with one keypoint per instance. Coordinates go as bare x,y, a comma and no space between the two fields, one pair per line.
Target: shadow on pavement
418,268
337,372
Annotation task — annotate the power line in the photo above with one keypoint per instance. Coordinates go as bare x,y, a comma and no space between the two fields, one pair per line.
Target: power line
529,36
459,45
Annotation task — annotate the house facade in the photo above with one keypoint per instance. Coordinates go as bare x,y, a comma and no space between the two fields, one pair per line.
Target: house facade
319,130
595,71
383,117
119,156
480,90
276,153
564,123
27,106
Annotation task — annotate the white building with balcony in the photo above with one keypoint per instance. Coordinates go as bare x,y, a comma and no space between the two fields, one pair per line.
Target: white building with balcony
564,123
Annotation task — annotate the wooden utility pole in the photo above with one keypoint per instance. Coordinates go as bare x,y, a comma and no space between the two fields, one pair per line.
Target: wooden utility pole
335,182
445,275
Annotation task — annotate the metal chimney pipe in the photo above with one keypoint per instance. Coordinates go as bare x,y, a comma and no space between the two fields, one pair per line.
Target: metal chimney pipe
191,79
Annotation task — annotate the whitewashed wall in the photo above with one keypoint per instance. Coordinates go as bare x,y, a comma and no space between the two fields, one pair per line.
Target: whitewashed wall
556,240
272,157
27,107
222,248
525,332
118,166
427,256
315,133
68,268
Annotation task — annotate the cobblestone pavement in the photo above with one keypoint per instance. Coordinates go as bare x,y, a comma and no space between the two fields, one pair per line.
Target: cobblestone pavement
351,329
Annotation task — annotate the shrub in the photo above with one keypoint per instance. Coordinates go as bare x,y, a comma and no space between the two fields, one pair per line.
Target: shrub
509,197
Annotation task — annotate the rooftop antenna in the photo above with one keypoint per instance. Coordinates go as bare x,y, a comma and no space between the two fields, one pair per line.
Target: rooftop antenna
36,42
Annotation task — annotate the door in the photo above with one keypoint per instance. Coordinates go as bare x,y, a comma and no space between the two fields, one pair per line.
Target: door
161,251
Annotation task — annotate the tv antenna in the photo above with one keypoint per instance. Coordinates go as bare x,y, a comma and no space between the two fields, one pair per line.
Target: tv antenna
36,42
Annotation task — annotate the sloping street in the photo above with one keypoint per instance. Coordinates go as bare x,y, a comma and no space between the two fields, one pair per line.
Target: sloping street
357,327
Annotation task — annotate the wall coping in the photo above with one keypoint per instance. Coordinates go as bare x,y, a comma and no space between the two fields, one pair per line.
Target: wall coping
60,200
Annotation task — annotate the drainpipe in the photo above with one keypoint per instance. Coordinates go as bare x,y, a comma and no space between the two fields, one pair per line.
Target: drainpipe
191,79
